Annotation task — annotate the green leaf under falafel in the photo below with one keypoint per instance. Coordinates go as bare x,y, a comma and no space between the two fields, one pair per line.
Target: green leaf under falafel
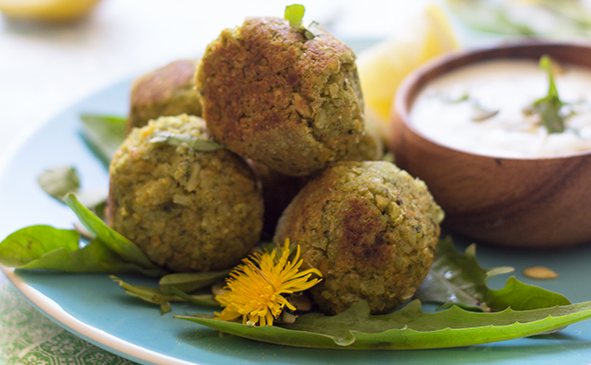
456,278
162,298
49,248
189,282
112,239
407,328
46,247
61,181
103,134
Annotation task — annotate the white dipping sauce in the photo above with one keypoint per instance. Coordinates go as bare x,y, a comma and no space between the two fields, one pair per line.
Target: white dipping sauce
442,113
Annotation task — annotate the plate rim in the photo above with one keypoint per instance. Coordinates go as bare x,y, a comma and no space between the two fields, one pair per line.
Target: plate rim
98,337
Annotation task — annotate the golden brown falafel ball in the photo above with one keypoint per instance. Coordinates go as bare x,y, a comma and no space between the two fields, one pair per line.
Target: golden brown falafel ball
186,209
169,90
279,189
370,228
269,94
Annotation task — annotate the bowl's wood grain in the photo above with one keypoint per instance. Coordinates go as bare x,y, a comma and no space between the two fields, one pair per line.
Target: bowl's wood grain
542,202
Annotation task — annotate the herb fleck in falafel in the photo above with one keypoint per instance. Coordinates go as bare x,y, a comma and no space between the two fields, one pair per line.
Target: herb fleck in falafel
166,91
187,210
370,228
272,95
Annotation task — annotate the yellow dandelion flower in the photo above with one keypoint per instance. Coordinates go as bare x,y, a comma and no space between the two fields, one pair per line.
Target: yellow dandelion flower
254,289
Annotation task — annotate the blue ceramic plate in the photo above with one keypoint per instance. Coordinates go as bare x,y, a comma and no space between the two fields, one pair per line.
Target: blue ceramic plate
95,308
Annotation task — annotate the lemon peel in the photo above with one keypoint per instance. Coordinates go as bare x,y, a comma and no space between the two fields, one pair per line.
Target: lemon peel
383,66
47,10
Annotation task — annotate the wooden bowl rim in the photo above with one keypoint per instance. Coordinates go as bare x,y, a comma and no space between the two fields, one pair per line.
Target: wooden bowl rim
413,83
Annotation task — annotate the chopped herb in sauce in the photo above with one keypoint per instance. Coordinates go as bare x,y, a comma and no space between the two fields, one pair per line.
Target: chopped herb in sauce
548,107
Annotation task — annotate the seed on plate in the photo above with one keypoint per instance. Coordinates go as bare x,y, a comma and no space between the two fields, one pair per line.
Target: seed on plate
540,272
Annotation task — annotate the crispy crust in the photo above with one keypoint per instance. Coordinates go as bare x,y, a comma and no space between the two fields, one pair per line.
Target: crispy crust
169,90
279,189
370,228
269,94
186,210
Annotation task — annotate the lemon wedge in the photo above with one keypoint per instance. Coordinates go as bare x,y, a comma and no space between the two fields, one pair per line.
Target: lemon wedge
47,10
383,66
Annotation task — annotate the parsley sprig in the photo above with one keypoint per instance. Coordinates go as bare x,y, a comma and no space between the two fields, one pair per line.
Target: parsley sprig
294,14
548,107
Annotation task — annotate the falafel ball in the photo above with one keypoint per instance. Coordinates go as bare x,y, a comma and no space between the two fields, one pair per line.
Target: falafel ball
276,97
167,91
370,228
186,209
279,189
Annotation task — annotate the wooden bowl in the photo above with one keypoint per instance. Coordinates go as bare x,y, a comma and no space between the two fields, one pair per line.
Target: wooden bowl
528,202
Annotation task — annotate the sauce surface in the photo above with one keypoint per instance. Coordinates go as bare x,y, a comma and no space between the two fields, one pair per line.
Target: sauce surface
483,109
